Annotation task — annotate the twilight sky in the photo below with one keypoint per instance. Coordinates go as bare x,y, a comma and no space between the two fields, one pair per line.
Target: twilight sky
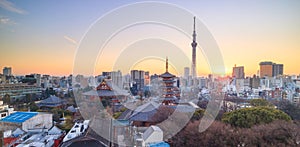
42,36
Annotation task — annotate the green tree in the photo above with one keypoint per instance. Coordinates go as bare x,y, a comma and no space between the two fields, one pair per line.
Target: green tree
248,117
260,102
198,114
28,98
290,109
49,91
116,115
33,107
57,112
6,99
277,133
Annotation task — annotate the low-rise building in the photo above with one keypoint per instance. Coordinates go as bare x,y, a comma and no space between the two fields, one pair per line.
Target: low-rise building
5,110
46,138
26,121
52,101
296,98
18,91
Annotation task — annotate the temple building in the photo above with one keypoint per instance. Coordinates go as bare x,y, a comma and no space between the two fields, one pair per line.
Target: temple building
108,94
170,94
155,111
51,102
26,121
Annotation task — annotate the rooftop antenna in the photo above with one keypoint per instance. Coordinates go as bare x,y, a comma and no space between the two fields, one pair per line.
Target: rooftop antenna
167,64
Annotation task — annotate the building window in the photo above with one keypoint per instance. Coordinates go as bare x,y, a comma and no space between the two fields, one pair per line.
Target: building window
3,115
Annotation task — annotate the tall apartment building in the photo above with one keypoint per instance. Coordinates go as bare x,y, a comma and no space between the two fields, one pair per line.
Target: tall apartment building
7,71
116,77
270,69
186,72
147,78
238,72
138,78
277,69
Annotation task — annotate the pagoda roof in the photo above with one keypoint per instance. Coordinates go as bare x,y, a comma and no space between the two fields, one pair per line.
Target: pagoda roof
170,81
169,99
169,92
165,87
173,98
167,75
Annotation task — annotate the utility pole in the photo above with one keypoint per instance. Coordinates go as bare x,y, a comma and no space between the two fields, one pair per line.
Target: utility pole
110,132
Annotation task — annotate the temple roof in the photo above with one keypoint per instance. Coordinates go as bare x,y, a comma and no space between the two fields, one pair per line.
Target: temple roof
52,101
104,86
106,89
166,75
144,112
105,93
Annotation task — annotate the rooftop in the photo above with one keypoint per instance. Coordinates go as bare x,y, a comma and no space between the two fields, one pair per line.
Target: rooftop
167,75
266,63
106,89
52,100
19,117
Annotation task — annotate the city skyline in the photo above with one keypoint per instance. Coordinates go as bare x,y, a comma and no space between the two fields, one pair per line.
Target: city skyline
42,38
236,70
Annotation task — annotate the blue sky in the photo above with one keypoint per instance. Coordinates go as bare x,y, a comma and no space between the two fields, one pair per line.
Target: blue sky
42,36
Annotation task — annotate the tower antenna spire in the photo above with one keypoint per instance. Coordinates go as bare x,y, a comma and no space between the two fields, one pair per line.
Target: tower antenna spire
167,64
194,24
194,46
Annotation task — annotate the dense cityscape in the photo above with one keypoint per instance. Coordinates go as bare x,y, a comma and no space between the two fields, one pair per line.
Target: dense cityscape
48,102
143,108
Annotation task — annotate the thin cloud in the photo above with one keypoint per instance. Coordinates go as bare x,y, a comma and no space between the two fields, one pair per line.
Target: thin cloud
6,20
11,7
70,40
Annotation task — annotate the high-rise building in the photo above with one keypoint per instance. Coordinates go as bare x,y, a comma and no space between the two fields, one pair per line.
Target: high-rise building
203,82
238,72
147,78
277,69
126,81
270,69
266,69
153,78
38,79
116,78
106,74
194,45
186,72
138,78
7,71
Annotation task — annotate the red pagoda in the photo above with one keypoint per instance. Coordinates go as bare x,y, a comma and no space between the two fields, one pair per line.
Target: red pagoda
169,92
